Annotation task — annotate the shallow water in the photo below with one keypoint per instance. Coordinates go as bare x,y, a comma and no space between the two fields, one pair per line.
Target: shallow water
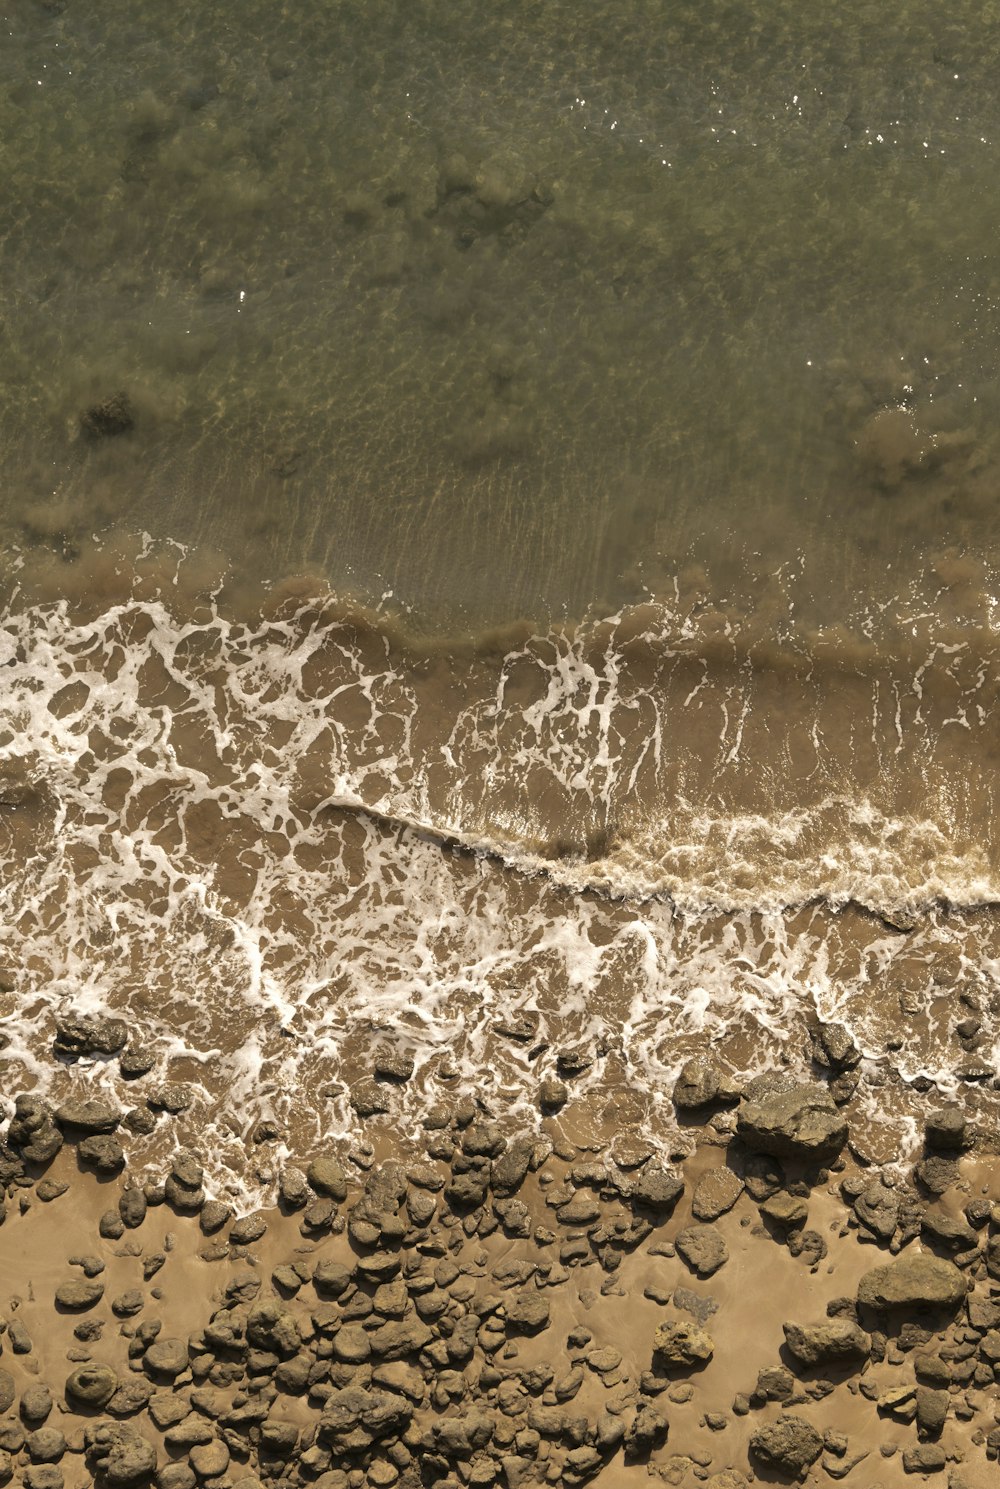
544,558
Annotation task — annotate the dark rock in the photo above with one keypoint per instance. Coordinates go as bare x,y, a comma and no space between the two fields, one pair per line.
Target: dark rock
715,1192
647,1431
393,1065
877,1207
33,1130
354,1419
132,1207
789,1445
7,1391
762,1175
83,1034
656,1189
248,1229
552,1094
802,1122
135,1062
944,1130
936,1174
108,419
80,1293
326,1176
369,1099
678,1343
293,1188
508,1171
834,1047
835,1342
91,1385
700,1083
101,1151
913,1281
214,1214
172,1096
926,1458
702,1248
94,1116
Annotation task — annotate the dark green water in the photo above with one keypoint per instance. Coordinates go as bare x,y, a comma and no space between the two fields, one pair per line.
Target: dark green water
512,309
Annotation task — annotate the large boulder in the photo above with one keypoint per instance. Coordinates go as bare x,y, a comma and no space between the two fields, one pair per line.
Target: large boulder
914,1281
799,1122
836,1341
788,1446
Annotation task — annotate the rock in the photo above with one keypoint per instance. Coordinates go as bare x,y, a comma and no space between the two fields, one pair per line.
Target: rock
393,1065
46,1445
354,1419
528,1313
132,1207
108,419
656,1189
176,1476
928,1457
214,1214
913,1281
351,1344
79,1293
7,1391
507,1173
84,1034
802,1122
136,1062
326,1176
763,1176
789,1445
932,1411
699,1084
89,1116
678,1343
36,1403
936,1173
647,1430
834,1342
248,1229
272,1326
552,1094
102,1152
944,1130
786,1211
702,1248
293,1188
33,1130
209,1459
119,1454
172,1097
331,1278
834,1047
715,1192
877,1207
166,1357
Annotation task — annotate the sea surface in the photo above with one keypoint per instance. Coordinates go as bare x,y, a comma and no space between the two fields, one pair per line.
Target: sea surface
500,522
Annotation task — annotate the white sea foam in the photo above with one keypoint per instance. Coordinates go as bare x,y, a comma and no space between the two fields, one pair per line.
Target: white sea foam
274,849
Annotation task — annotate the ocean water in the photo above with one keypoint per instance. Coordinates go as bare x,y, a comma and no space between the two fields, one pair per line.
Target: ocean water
500,543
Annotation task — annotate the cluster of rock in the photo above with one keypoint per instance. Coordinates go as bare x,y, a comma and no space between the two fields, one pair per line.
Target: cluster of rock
397,1343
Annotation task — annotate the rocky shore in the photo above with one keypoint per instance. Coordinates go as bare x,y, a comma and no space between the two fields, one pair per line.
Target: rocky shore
474,1305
